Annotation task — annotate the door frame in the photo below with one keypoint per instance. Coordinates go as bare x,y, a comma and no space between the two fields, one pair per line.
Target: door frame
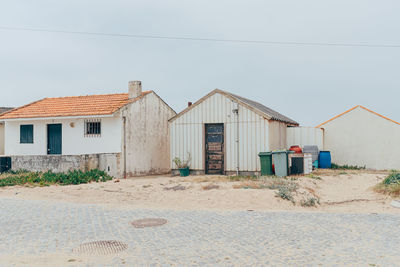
205,142
48,143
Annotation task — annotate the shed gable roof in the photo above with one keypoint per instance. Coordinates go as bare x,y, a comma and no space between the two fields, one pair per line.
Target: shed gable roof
353,108
4,110
90,105
253,105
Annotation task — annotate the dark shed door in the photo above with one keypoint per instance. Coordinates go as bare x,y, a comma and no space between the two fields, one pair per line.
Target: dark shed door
215,148
54,139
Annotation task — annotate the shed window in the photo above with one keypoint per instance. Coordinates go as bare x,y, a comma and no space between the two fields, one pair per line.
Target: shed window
92,128
26,134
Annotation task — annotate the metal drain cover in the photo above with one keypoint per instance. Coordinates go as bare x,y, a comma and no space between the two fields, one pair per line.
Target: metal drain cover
101,248
149,222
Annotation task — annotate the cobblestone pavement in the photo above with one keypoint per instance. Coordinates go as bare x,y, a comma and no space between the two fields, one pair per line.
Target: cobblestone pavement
240,238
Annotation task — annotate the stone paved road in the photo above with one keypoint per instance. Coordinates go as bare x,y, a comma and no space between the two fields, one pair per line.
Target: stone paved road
202,237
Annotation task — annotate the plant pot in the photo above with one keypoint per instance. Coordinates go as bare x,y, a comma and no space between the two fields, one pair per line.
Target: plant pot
184,172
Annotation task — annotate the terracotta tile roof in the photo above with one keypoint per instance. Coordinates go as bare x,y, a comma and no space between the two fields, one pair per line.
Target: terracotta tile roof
359,106
90,105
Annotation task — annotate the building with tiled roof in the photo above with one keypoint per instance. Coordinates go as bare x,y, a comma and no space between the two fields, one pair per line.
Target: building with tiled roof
125,134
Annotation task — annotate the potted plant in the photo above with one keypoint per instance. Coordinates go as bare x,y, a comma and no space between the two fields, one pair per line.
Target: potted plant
183,165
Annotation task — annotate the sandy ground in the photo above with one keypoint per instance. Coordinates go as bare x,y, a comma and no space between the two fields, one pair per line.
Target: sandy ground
338,191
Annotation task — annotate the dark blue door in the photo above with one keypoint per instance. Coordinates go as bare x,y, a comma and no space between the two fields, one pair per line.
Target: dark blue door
215,148
54,139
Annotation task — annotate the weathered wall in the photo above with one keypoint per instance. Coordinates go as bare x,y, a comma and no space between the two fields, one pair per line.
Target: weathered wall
111,163
1,139
74,141
147,136
62,163
305,136
277,135
363,138
187,134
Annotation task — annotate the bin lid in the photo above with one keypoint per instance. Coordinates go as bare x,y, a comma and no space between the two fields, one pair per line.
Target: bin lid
265,153
282,151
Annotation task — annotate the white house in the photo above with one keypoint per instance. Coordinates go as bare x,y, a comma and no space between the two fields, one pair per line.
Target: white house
363,137
223,133
125,134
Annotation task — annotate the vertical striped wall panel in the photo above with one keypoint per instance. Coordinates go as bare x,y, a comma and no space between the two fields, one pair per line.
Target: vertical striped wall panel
187,134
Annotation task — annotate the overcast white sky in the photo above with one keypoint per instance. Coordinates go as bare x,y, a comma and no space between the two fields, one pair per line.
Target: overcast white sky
308,84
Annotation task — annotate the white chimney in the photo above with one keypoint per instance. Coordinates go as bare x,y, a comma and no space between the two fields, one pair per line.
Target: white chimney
135,89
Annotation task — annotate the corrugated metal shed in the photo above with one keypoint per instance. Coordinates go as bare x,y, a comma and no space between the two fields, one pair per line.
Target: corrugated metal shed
3,109
266,110
187,130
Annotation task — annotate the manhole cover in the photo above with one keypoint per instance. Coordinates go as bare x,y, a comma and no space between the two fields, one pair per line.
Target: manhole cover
101,248
150,222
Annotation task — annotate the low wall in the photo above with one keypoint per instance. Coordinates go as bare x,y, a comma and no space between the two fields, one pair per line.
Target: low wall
62,163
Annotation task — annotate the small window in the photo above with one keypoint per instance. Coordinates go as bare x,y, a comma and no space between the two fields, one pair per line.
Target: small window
92,128
26,134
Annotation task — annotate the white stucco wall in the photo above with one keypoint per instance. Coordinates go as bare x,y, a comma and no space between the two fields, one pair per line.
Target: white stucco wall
187,134
363,138
74,141
147,136
1,138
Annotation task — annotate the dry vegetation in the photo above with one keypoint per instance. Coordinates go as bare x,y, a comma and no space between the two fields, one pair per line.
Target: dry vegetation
391,185
285,188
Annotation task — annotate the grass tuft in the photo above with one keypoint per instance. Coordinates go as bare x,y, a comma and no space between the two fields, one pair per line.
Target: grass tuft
286,192
346,167
243,178
310,202
390,185
313,176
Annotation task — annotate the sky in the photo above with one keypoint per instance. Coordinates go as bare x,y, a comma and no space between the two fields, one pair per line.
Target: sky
309,84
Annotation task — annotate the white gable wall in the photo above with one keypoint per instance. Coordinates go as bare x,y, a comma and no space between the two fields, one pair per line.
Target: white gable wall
364,139
147,137
74,141
187,134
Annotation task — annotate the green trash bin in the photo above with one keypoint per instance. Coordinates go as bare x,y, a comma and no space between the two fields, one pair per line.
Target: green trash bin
280,159
266,163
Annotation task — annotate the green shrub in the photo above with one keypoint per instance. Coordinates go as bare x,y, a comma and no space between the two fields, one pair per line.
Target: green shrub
346,167
390,185
48,178
393,178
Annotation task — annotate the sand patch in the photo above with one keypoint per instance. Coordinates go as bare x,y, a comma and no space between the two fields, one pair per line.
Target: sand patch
337,191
